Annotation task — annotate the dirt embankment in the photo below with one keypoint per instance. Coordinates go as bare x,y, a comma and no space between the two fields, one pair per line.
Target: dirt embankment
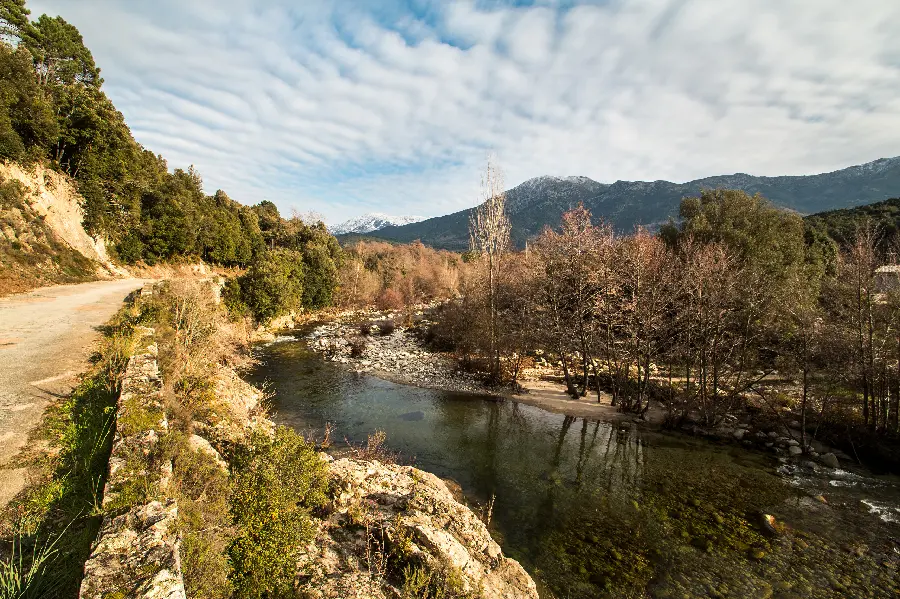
42,239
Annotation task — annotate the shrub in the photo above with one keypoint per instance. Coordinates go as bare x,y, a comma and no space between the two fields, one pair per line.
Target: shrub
320,277
390,299
273,285
387,327
233,300
357,346
203,491
276,482
12,194
365,328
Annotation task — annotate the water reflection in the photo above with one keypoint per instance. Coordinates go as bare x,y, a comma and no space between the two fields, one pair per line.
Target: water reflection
589,508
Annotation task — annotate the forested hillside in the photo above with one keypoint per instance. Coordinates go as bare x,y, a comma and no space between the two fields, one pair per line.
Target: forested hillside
842,225
54,112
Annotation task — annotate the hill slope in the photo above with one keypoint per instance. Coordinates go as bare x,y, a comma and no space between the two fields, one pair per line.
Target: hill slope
841,225
42,240
540,202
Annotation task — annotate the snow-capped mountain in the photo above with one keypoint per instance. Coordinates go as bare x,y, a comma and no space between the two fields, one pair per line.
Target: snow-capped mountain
540,202
372,221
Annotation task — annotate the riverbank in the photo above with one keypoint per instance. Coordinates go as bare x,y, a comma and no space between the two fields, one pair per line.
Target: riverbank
367,341
374,342
205,497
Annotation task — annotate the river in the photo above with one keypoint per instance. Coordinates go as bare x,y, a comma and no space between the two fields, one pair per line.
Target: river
596,510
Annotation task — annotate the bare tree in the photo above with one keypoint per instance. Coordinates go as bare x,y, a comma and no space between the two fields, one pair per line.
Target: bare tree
489,237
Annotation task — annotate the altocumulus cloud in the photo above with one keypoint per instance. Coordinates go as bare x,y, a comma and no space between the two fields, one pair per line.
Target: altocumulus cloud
344,107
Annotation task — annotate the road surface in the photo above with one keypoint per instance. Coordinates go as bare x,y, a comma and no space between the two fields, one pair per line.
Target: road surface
46,338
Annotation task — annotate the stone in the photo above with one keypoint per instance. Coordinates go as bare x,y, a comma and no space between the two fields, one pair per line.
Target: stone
136,552
795,450
830,460
739,434
401,505
201,445
794,443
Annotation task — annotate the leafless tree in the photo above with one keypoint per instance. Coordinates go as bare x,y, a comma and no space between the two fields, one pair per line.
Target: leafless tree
489,231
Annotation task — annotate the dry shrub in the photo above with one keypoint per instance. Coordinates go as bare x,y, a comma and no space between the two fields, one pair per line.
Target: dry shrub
414,272
390,299
357,346
374,449
196,338
387,327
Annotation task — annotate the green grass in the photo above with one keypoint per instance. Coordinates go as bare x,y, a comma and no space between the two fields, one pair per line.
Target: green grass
48,529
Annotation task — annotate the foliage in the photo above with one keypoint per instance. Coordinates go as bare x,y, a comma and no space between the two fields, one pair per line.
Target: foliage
391,276
841,226
56,521
273,285
276,482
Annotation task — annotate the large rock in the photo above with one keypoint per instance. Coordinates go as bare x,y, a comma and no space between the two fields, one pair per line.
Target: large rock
136,555
830,460
387,518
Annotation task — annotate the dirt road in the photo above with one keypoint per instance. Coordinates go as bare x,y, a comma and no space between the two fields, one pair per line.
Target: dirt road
46,337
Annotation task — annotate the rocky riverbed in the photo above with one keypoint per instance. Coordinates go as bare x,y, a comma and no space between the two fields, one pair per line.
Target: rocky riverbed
389,351
784,440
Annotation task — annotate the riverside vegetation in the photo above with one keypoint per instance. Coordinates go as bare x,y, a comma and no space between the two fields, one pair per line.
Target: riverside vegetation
250,496
739,306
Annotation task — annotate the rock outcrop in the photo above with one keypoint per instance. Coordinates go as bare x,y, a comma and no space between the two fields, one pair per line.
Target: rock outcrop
137,552
136,556
53,196
386,520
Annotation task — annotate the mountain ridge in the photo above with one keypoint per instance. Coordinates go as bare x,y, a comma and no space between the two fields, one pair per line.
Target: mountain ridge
540,201
372,221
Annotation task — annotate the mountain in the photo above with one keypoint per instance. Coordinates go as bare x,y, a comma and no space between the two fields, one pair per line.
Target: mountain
373,221
540,202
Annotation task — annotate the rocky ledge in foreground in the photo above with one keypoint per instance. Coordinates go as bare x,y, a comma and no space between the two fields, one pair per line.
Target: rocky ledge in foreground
391,527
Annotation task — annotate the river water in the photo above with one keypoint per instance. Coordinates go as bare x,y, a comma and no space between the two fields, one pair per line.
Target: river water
595,510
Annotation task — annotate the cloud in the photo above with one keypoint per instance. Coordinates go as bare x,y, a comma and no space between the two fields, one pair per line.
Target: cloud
340,108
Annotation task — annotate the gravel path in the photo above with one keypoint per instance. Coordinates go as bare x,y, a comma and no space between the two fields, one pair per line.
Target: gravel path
46,337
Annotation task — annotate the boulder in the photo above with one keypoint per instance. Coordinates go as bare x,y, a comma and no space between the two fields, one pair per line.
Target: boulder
795,450
387,514
830,460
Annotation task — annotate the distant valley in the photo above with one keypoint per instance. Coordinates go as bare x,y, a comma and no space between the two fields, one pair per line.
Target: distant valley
540,202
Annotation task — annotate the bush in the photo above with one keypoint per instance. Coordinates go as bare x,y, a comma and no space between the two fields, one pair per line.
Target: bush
273,285
276,482
390,299
365,328
12,194
203,491
321,277
357,346
387,327
233,300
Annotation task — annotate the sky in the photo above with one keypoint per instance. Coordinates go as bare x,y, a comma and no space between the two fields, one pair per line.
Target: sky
343,107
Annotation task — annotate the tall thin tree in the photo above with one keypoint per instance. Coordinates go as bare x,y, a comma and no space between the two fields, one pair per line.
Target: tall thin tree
489,231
